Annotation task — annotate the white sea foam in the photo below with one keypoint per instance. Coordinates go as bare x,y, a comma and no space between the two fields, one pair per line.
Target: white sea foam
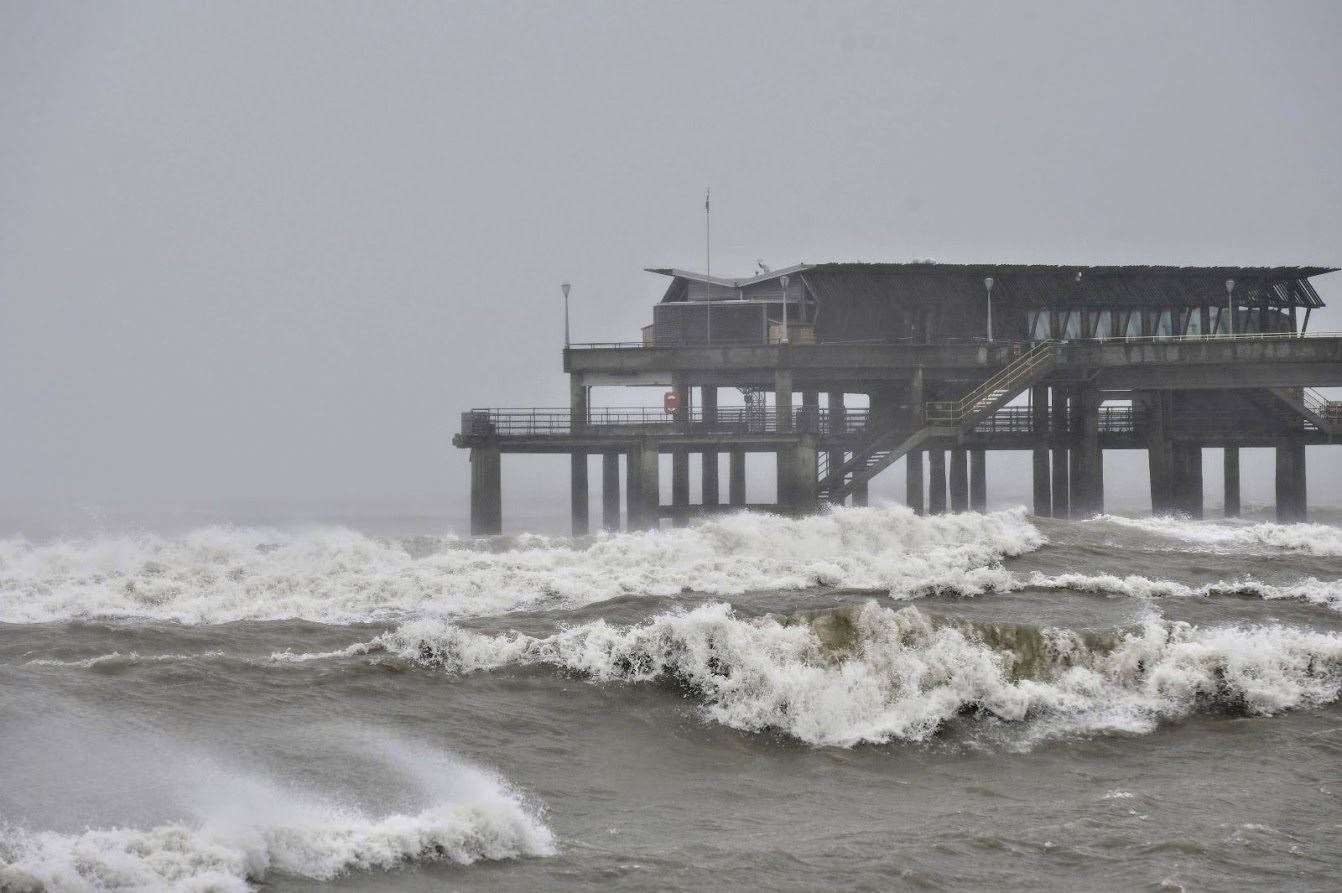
218,574
875,674
358,648
1238,536
256,829
117,659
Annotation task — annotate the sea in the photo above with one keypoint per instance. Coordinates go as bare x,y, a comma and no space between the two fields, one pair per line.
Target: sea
861,700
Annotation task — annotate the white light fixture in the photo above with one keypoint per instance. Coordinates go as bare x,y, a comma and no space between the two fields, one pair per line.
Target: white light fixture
783,281
565,288
1230,307
988,284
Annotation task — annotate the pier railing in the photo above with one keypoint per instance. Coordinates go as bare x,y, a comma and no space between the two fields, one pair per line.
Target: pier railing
625,421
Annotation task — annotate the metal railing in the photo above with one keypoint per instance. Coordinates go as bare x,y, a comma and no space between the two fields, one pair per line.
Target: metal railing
627,421
1319,404
1220,336
954,412
1020,420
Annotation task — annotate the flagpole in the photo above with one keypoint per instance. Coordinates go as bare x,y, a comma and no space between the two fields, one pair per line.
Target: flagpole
708,262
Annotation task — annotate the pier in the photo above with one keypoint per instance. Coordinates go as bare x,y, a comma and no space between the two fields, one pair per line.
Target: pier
947,362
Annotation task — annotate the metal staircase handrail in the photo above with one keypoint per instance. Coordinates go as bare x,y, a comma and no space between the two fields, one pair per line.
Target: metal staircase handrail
1012,374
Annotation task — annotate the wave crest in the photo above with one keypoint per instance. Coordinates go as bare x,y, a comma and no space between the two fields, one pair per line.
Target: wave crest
873,674
219,575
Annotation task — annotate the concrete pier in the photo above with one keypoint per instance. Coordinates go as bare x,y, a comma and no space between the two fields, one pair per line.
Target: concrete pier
1231,475
936,482
860,494
610,490
1186,478
913,481
838,415
578,501
1291,480
959,482
783,399
1088,458
978,481
644,492
797,477
486,491
1159,454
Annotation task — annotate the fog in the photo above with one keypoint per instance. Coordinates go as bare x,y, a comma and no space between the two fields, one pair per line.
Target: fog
263,254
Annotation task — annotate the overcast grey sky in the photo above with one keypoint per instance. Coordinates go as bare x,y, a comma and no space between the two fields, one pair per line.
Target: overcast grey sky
269,251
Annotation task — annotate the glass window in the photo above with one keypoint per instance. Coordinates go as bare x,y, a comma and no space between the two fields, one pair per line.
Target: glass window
1164,325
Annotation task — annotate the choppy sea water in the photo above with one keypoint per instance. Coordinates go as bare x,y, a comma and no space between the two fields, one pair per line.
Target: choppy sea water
861,700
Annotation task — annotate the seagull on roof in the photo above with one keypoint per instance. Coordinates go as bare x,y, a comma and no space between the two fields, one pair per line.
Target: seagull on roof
762,266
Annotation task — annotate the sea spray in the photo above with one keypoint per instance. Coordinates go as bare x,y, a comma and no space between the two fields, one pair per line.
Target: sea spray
874,674
1237,537
220,574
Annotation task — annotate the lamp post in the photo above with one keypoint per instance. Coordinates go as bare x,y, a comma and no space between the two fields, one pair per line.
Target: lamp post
565,287
988,285
783,281
1230,307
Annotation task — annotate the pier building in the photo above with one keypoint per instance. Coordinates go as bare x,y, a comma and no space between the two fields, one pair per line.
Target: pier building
845,369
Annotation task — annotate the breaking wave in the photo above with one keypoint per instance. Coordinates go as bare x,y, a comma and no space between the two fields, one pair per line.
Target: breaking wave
116,660
874,674
1230,536
222,574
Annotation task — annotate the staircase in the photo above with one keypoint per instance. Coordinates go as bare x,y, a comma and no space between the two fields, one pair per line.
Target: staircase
947,418
1313,407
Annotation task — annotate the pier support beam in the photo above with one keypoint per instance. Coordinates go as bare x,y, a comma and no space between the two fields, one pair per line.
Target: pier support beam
577,402
797,476
838,421
1043,489
642,487
578,503
1159,455
959,480
783,399
610,490
1058,434
936,482
736,477
708,477
1291,480
1087,458
860,494
913,481
978,481
680,486
1231,473
1186,478
486,491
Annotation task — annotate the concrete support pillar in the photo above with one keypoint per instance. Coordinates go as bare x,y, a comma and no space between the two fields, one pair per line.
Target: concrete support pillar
610,490
913,481
736,477
1087,458
936,482
708,477
797,490
578,504
1160,457
1231,469
959,480
1291,480
642,487
681,388
577,402
1186,478
680,485
1059,434
810,402
838,415
978,481
486,491
1043,489
783,399
860,495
